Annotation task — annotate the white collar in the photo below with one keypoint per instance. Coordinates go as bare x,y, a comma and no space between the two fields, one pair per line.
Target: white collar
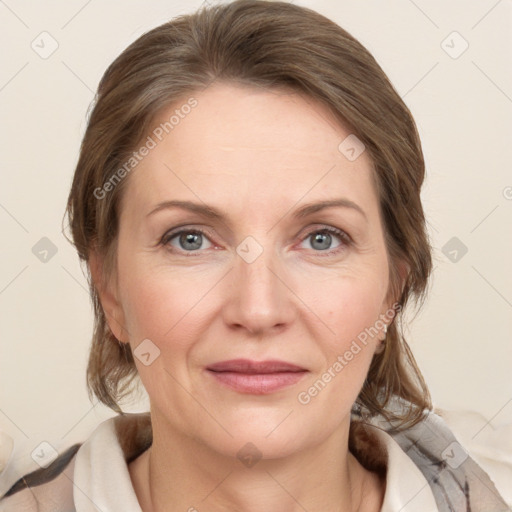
407,489
102,480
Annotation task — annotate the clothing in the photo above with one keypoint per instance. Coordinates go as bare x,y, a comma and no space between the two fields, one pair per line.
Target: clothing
93,476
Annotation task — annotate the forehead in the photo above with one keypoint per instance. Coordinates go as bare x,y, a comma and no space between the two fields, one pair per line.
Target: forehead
249,145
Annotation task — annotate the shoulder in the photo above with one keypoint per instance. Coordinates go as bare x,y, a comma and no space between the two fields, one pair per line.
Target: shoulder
406,488
454,478
96,467
48,489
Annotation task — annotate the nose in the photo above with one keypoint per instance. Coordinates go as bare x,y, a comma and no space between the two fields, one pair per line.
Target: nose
259,300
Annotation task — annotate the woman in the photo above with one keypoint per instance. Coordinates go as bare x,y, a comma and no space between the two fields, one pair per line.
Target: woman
247,200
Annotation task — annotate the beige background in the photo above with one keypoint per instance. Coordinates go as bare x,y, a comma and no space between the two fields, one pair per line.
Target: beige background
463,108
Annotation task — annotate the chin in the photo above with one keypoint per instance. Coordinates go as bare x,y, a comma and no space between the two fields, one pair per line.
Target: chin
253,445
257,433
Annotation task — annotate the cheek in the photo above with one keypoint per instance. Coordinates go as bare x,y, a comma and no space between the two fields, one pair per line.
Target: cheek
348,305
350,308
155,306
170,307
161,309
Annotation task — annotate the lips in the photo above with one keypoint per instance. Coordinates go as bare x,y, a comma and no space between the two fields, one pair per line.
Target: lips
256,377
254,367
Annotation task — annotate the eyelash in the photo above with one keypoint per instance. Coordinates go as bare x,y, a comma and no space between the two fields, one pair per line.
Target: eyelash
345,240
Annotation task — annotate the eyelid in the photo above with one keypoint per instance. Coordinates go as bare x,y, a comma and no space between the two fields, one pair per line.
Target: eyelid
186,228
345,239
330,229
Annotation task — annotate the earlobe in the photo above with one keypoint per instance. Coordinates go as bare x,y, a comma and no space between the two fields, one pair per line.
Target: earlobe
380,347
398,278
403,273
108,297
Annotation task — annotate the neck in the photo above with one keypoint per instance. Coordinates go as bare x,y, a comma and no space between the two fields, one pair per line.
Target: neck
177,473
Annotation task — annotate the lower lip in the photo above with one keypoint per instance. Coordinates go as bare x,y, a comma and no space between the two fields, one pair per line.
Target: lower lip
258,384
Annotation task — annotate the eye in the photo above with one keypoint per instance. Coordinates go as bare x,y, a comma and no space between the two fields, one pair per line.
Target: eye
193,240
187,240
321,240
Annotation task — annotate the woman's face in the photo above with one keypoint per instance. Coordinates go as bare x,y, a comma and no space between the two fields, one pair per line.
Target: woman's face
264,279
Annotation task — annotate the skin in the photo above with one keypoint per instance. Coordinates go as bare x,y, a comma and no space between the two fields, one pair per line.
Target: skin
257,156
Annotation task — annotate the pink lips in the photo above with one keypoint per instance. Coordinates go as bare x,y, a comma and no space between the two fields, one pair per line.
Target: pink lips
256,377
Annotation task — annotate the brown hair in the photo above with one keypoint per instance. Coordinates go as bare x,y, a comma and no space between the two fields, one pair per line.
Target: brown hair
269,45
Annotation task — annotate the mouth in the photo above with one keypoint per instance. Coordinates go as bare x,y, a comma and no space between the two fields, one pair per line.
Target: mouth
256,377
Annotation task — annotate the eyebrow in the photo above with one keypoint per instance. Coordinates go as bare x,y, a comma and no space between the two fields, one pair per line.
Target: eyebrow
214,214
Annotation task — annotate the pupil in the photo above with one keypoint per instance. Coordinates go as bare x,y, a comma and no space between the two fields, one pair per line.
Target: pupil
190,238
322,237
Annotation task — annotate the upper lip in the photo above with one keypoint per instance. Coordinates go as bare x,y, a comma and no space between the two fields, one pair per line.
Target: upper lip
249,366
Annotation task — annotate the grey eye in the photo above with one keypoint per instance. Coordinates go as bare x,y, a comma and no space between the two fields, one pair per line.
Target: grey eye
323,240
188,240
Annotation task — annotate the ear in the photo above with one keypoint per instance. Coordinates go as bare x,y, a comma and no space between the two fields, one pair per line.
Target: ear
108,294
398,278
